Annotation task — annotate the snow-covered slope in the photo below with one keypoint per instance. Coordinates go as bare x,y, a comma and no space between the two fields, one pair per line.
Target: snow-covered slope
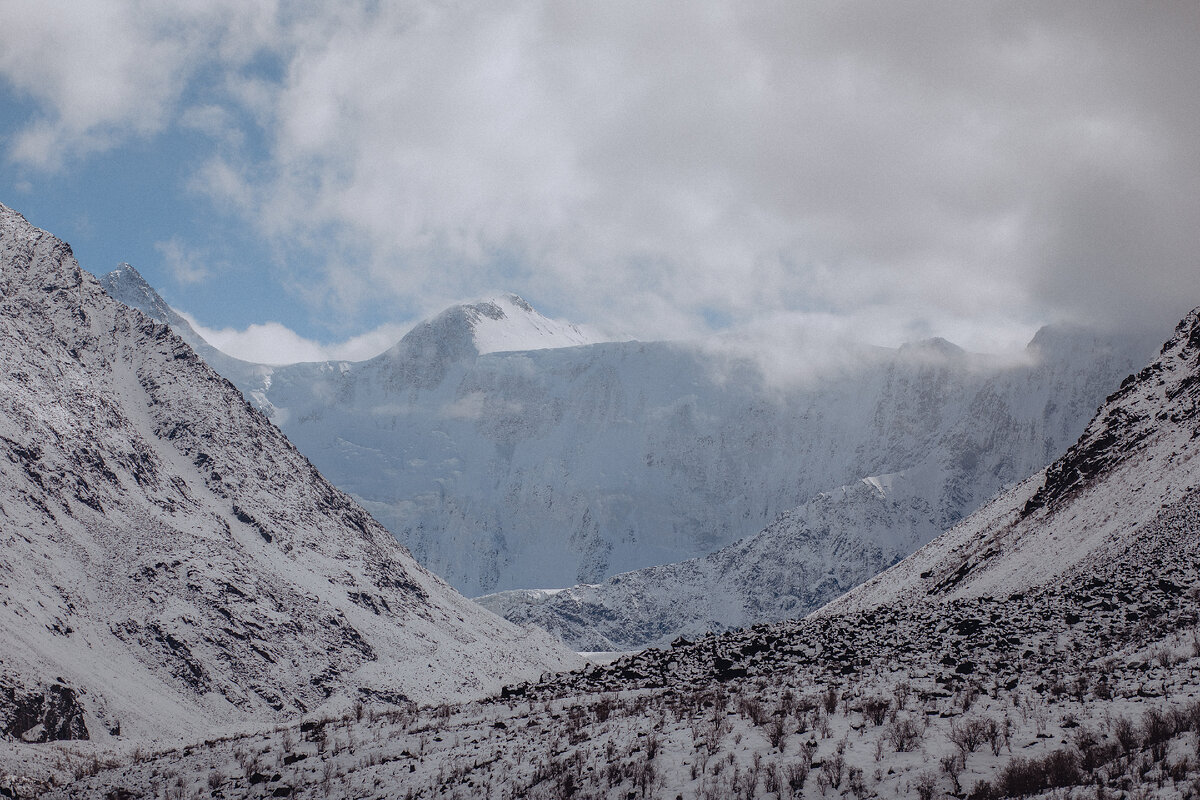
1138,457
1000,423
126,285
170,561
507,322
804,559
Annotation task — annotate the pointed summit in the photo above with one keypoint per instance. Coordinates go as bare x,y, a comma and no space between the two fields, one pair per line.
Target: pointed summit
508,322
502,323
935,347
126,285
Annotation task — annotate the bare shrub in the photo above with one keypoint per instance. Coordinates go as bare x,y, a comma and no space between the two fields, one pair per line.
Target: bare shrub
830,699
1126,735
777,731
904,733
833,768
952,764
875,709
1157,730
925,785
970,734
796,774
982,790
1023,776
855,782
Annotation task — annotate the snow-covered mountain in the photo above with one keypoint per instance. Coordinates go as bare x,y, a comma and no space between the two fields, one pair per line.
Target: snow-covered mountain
558,465
804,559
1135,469
170,561
1046,647
995,419
127,286
508,323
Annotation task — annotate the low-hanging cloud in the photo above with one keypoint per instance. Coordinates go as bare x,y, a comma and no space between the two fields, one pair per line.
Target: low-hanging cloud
934,166
273,343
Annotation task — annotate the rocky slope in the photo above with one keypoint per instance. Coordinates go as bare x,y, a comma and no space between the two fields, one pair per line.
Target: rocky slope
1039,649
1137,459
557,465
170,561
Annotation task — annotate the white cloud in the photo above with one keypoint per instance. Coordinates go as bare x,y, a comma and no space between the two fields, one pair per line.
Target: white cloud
940,165
105,70
274,343
655,159
215,121
187,266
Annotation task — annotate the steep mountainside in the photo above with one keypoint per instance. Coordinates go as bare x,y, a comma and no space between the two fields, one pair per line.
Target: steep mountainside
126,285
803,560
816,552
559,465
1046,647
170,561
1138,455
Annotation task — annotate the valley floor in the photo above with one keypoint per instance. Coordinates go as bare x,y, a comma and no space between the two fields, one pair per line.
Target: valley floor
1089,687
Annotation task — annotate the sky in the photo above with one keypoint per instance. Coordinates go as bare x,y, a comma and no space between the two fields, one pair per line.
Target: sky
307,178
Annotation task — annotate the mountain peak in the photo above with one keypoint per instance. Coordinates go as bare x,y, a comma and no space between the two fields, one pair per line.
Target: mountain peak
502,323
507,322
935,347
126,284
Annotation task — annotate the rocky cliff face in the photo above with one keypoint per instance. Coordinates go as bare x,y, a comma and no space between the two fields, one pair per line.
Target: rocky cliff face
170,560
961,428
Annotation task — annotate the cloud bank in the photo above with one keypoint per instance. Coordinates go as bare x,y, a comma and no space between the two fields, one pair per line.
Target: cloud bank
662,168
273,343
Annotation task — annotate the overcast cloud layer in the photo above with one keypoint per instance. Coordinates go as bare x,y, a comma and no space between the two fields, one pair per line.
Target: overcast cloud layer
898,170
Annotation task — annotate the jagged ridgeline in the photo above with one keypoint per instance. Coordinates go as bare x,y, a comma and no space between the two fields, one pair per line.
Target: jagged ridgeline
170,561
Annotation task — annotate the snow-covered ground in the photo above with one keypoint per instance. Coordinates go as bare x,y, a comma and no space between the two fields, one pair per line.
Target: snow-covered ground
1091,680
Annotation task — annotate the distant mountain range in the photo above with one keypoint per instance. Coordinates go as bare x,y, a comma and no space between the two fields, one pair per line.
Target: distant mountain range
570,460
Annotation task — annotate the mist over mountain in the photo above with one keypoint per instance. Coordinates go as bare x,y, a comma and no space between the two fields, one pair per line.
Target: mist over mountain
991,424
568,462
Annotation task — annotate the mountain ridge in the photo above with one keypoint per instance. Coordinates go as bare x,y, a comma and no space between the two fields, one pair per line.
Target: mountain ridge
161,525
